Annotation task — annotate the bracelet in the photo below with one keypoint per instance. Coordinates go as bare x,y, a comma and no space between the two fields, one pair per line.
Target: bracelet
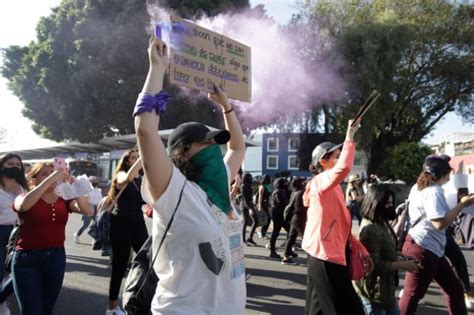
147,103
228,111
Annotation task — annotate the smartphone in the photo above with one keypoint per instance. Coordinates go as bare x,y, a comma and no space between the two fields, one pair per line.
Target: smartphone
59,163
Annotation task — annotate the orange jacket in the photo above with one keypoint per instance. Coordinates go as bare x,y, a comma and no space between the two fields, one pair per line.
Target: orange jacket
329,221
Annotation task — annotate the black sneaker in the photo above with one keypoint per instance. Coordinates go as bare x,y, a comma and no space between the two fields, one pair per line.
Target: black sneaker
293,254
251,241
275,255
288,261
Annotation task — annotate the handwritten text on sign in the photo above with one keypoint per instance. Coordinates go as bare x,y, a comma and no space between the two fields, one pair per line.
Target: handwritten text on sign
201,57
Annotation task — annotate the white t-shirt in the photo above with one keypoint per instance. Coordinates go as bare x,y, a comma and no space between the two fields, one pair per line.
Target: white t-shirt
7,215
201,262
431,202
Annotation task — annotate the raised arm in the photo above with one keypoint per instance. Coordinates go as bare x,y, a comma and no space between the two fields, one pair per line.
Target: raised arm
328,179
236,146
125,178
25,202
157,166
81,206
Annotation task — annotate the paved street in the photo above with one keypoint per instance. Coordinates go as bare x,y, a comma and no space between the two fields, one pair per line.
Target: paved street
273,288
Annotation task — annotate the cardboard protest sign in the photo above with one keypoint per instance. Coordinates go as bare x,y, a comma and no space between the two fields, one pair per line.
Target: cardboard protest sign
200,58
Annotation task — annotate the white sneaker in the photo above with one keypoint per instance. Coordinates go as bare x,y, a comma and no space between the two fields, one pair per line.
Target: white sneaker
469,300
115,311
4,310
77,238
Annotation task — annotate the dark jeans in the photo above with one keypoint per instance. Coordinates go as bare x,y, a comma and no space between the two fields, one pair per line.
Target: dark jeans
455,255
37,278
265,227
278,223
120,256
86,220
329,290
434,268
297,225
7,289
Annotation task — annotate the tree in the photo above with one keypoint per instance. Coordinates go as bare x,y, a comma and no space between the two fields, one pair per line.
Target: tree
405,161
418,55
80,78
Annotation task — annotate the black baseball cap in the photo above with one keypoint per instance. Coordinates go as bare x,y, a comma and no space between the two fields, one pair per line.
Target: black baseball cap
322,149
437,165
190,132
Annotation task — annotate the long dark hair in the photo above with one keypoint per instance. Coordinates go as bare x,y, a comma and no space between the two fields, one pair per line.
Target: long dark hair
435,167
266,180
182,163
247,179
122,166
375,201
22,180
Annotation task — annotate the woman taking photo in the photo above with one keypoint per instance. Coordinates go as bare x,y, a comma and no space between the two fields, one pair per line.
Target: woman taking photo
39,261
377,288
127,224
200,263
12,183
328,231
426,239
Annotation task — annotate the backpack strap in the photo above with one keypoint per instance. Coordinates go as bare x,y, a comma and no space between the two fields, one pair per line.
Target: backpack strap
162,239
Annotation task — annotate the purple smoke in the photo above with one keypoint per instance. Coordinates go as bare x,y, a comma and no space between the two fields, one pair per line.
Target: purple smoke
282,84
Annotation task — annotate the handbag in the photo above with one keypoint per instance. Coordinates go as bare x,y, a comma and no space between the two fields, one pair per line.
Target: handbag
357,268
10,248
141,282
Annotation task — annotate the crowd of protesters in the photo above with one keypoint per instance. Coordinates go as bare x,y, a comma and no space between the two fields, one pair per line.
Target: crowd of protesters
201,204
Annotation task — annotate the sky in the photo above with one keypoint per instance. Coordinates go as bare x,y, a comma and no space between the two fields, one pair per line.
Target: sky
21,18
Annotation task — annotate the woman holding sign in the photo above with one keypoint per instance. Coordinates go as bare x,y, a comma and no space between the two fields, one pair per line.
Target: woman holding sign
430,216
200,259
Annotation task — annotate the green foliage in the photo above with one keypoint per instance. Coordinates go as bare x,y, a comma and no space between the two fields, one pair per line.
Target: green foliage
80,78
405,161
418,55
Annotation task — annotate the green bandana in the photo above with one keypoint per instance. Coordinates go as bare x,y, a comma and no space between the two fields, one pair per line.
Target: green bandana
212,177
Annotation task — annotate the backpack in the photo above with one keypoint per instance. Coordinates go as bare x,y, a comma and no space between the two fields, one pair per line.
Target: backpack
401,224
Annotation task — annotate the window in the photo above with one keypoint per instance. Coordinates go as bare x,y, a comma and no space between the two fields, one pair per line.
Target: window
272,144
293,144
272,162
293,162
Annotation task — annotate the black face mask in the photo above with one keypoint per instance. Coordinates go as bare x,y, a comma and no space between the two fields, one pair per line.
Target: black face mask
13,172
389,213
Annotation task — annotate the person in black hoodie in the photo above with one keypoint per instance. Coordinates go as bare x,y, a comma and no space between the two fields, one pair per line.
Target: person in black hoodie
296,212
248,208
280,197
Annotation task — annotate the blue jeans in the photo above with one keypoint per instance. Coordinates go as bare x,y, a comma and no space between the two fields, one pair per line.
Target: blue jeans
7,289
37,278
86,220
372,309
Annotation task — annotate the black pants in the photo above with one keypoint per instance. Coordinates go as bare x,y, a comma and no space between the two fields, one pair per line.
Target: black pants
120,257
278,223
297,225
248,221
455,255
265,227
329,290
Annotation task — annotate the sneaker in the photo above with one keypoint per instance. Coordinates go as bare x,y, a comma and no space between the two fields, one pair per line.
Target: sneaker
259,234
251,241
293,254
115,311
288,261
267,246
297,248
469,300
4,310
275,255
77,239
